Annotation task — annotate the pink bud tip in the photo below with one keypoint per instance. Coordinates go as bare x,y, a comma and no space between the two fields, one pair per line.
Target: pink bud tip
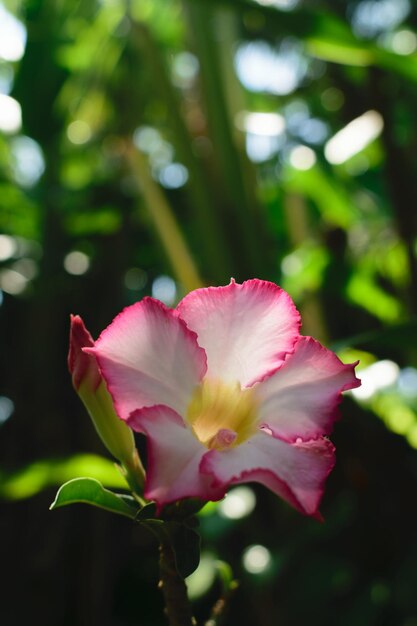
81,364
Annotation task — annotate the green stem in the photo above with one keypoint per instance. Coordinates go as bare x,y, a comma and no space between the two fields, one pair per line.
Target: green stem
164,221
174,589
134,473
212,238
243,212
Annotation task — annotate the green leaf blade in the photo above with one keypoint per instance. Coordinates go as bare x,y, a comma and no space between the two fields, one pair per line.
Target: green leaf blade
91,491
185,542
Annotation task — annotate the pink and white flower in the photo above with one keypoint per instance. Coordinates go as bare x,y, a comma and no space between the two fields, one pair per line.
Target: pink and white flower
227,391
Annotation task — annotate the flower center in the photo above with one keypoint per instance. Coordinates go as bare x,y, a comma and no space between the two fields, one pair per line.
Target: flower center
222,415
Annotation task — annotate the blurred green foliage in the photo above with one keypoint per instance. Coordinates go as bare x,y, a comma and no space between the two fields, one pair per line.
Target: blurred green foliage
148,147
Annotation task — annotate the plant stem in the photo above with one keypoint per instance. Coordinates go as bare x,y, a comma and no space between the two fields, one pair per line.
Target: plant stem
134,473
164,220
219,609
213,243
177,605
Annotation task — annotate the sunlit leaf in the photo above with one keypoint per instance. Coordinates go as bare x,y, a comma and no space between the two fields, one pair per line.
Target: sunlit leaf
91,491
364,292
331,198
104,221
340,52
93,39
19,215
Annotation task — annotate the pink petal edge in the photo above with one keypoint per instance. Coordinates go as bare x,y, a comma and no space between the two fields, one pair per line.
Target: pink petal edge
173,458
148,356
285,416
227,471
246,329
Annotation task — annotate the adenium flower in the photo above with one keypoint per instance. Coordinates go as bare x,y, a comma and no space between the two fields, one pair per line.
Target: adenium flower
227,391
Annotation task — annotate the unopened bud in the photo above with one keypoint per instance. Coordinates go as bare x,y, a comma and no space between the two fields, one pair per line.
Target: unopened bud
90,386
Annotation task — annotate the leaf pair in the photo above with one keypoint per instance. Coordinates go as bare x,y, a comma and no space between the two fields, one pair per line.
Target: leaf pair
179,534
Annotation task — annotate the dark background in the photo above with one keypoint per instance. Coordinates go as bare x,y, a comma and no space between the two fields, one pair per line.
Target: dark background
139,168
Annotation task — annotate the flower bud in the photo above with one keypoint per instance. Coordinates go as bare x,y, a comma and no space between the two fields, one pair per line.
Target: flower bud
91,388
83,367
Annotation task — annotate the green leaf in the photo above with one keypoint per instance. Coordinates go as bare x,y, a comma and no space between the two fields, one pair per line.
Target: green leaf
183,510
91,491
179,533
183,540
105,221
147,512
186,545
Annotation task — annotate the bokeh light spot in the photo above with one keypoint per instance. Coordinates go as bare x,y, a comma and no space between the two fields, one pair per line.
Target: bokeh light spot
407,382
302,158
164,289
12,36
173,176
284,5
6,409
8,247
76,263
354,137
371,17
262,68
268,124
10,114
135,279
377,376
79,132
256,559
404,42
12,282
184,69
146,138
29,163
238,503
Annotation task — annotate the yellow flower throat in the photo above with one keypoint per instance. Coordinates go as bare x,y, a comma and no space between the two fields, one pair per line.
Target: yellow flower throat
222,415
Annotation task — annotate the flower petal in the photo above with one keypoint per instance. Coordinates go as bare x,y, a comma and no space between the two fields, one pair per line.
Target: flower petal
148,356
246,329
174,457
294,471
301,399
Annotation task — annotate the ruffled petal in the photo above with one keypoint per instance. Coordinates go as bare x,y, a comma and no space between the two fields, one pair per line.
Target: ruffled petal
148,356
246,329
301,399
294,471
174,456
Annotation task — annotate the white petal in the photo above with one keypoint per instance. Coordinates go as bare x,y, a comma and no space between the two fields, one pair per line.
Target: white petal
301,399
294,471
246,330
174,457
148,356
